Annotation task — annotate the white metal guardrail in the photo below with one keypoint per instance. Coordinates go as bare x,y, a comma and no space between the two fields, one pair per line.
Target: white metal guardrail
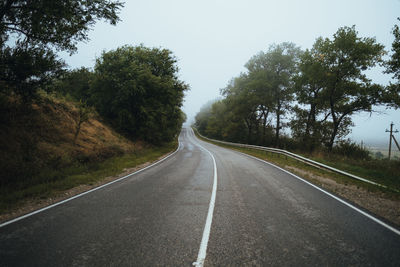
300,158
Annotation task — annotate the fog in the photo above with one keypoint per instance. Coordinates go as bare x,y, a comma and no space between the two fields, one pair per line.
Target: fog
213,39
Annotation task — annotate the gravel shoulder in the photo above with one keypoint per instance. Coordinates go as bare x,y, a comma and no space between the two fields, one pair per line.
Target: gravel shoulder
380,203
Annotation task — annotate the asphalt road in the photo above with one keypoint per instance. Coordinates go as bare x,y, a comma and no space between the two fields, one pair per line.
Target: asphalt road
262,217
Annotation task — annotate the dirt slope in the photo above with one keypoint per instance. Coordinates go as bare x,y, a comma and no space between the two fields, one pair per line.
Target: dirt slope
41,135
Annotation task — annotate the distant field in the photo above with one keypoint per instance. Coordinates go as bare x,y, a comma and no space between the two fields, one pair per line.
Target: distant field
385,151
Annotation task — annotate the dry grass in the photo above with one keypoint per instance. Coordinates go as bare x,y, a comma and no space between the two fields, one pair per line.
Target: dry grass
38,153
93,137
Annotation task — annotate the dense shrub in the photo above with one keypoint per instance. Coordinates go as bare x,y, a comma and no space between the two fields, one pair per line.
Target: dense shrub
351,150
137,90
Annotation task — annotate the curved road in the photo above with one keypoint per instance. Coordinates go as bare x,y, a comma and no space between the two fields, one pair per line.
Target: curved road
262,216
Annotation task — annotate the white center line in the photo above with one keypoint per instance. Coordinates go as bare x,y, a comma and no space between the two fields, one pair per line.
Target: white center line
201,257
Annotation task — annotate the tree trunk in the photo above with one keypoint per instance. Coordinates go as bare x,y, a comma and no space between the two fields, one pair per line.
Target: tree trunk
265,114
333,136
78,129
336,123
249,134
249,129
308,142
278,124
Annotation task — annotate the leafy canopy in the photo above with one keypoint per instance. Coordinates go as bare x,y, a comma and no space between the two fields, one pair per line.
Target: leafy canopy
31,32
138,91
392,95
328,82
61,24
347,88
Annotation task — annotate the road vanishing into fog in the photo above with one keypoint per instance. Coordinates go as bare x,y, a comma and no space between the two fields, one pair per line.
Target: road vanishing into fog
205,205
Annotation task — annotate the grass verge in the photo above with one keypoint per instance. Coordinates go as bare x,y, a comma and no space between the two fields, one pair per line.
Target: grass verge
308,172
383,203
12,198
384,172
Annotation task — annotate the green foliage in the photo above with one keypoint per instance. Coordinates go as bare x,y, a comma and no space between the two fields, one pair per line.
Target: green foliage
31,30
332,85
393,64
311,115
242,105
84,113
184,117
201,119
23,70
138,91
349,149
346,87
271,76
328,83
47,23
266,89
75,83
392,94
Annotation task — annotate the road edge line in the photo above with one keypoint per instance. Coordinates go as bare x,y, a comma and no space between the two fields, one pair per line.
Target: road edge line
87,192
387,226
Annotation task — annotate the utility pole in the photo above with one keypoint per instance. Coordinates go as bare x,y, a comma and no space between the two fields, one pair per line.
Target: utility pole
390,138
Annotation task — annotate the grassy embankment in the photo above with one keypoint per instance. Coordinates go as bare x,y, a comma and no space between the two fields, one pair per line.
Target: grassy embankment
380,171
40,157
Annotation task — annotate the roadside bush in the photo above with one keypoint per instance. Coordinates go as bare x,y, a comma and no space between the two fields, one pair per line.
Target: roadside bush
290,144
351,150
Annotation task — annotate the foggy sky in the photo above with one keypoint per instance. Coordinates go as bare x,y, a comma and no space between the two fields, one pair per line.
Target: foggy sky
213,39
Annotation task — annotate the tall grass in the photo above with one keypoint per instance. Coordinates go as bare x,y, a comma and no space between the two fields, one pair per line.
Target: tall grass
41,155
347,157
53,182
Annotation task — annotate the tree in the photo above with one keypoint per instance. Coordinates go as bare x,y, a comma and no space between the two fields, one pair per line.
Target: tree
84,112
348,90
252,97
216,124
392,95
221,120
243,105
393,64
23,70
75,83
202,117
311,114
278,66
328,81
259,87
62,24
138,91
31,30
